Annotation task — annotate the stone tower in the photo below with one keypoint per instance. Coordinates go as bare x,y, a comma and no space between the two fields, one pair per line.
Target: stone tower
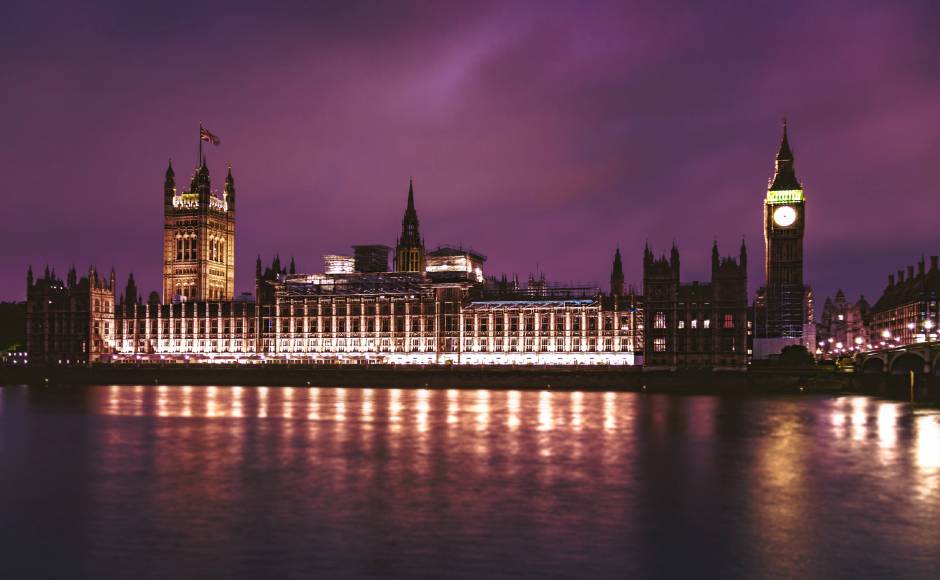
616,275
784,225
409,251
198,238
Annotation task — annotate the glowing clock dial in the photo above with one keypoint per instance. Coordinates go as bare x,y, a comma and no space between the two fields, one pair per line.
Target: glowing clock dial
784,216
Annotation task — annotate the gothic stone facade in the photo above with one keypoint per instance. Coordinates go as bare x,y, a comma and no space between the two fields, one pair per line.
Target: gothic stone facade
198,239
695,324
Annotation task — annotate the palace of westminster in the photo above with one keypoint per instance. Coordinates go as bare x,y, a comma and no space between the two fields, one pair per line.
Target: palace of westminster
433,306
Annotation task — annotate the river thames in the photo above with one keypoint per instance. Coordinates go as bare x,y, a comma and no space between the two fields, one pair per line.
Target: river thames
169,482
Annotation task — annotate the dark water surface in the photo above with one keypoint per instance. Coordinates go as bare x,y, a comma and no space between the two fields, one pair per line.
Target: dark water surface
181,482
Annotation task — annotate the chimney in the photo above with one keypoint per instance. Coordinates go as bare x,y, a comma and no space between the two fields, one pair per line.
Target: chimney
900,276
933,263
910,272
890,280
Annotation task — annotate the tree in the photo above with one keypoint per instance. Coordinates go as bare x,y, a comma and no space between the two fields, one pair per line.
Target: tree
796,355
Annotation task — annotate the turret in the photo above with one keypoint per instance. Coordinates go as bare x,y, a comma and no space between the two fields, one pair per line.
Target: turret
258,268
409,251
29,279
743,256
203,184
616,275
716,260
72,279
169,184
230,189
674,260
130,291
293,268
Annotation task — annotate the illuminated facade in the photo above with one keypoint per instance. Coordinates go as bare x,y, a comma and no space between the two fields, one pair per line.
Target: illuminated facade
436,308
198,239
783,309
907,311
393,318
843,325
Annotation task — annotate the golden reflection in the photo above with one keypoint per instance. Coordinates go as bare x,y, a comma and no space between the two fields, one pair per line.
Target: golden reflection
424,407
313,404
928,443
236,406
138,401
453,406
577,408
114,400
512,405
887,425
162,401
262,402
859,418
394,409
610,412
288,405
546,422
340,406
368,407
187,401
483,409
211,403
838,423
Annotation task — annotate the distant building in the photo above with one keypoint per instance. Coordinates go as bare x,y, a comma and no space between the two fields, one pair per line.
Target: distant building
783,308
907,310
696,324
454,263
409,251
71,322
337,264
369,259
843,325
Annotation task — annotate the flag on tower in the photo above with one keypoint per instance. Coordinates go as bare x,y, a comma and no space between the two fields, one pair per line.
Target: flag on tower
205,135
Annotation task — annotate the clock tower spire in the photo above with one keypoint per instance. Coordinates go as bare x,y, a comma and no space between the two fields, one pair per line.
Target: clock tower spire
782,309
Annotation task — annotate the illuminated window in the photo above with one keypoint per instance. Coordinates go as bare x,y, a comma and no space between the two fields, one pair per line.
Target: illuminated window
682,324
706,323
659,345
694,323
660,320
729,321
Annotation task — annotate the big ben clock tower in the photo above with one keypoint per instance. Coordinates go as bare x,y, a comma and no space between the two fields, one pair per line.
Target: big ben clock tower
783,307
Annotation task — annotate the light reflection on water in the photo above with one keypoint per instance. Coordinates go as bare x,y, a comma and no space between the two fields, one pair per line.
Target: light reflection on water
396,482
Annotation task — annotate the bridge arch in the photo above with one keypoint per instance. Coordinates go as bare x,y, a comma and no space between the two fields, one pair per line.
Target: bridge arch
908,361
873,364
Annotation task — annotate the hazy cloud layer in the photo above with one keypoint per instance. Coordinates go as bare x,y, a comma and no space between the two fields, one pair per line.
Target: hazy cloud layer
543,135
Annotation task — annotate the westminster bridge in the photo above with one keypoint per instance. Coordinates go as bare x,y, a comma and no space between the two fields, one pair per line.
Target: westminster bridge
892,370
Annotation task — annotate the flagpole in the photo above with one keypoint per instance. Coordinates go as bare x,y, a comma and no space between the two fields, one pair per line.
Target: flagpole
199,163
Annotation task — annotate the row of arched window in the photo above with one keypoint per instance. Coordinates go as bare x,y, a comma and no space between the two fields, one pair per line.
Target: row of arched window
186,248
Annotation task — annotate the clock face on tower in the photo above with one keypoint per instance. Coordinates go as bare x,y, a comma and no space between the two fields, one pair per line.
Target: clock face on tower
784,216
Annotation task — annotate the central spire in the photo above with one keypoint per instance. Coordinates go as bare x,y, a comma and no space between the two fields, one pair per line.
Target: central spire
784,178
409,252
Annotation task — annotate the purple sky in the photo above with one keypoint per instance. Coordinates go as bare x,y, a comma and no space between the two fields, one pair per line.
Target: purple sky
537,136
